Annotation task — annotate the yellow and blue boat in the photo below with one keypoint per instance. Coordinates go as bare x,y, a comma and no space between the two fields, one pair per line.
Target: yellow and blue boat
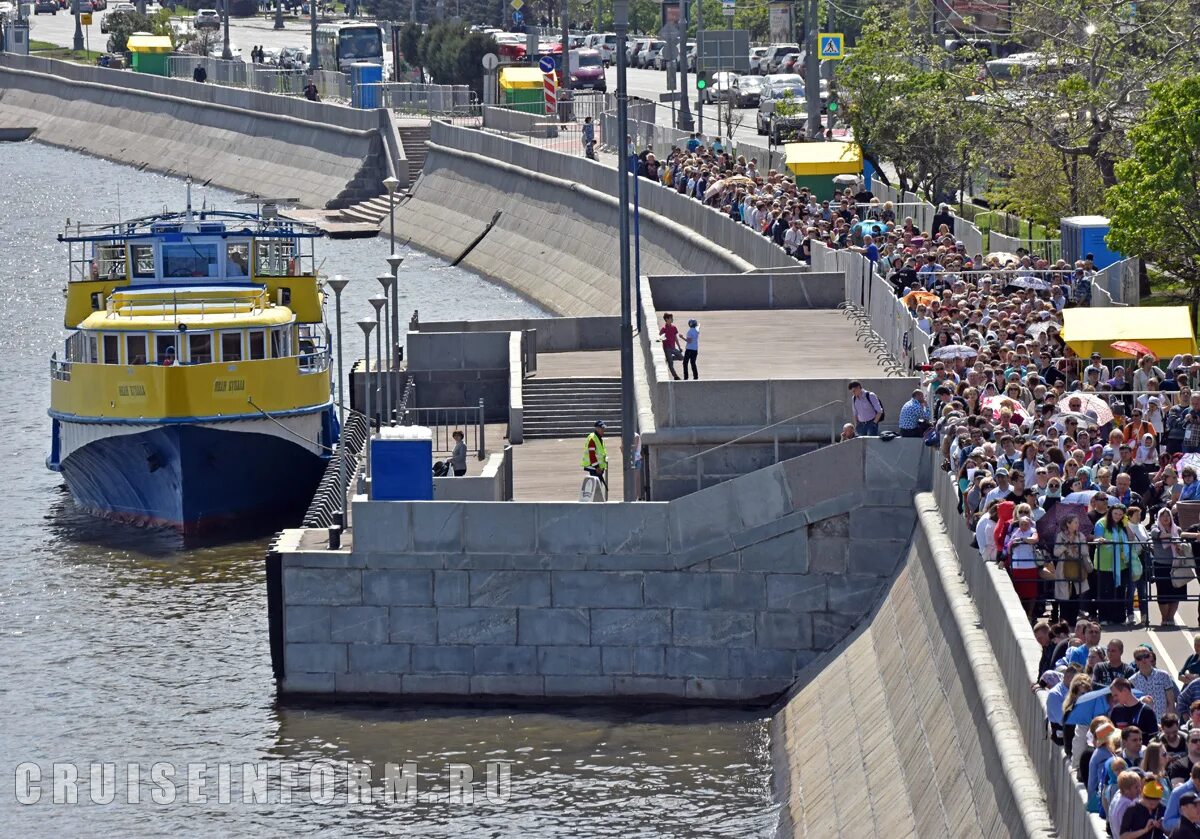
194,390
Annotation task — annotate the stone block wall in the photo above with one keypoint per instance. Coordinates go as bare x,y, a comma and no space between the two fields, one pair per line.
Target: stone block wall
722,596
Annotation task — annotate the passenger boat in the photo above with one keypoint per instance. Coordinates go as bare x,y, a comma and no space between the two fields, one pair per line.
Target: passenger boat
194,390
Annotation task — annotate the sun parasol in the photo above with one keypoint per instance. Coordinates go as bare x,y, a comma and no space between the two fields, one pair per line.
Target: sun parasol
1131,348
1002,257
952,351
1031,283
1079,416
1088,402
920,297
1085,497
1049,524
995,403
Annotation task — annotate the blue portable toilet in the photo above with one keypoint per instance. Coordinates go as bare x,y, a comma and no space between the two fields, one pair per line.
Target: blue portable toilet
365,81
1082,235
402,464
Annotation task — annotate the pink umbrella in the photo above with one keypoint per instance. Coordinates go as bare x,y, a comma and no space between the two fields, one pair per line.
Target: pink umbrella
1131,348
1087,402
995,403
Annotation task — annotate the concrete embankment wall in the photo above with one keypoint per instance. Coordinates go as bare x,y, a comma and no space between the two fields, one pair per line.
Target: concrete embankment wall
906,729
721,596
555,239
324,155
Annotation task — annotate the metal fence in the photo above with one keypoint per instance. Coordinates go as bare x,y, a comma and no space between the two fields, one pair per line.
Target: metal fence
443,422
289,82
330,497
1050,249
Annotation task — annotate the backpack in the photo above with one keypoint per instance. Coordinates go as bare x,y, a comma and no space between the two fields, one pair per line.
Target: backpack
874,402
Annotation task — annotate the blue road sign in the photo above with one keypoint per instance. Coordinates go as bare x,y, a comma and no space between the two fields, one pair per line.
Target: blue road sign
832,46
546,65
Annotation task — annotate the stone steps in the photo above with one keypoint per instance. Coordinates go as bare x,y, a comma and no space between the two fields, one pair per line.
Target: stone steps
414,138
557,408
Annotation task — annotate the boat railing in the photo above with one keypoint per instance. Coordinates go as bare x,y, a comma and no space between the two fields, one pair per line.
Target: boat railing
120,306
60,370
316,361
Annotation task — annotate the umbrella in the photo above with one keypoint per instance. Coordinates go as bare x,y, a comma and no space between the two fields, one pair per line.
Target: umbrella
951,351
1191,459
1090,402
871,227
1075,415
1038,328
1031,283
1085,497
920,297
714,188
1093,704
1049,524
1002,257
1131,348
740,180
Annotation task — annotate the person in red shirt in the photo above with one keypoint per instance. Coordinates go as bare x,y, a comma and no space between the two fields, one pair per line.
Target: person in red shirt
670,341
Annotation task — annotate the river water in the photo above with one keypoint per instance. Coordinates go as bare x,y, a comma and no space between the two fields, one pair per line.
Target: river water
122,646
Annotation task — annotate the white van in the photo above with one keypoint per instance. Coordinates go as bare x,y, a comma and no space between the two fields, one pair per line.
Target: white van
605,43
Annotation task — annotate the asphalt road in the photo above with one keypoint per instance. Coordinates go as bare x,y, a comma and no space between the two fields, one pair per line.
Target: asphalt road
648,84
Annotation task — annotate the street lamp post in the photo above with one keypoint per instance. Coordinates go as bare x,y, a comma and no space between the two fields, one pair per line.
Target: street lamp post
78,41
337,284
378,302
389,327
685,113
226,52
621,26
314,60
279,14
394,262
366,326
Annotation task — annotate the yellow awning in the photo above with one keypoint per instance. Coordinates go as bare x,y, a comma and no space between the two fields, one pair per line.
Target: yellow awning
525,78
1166,330
150,43
833,158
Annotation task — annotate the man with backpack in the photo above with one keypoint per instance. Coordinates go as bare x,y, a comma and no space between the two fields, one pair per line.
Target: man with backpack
868,411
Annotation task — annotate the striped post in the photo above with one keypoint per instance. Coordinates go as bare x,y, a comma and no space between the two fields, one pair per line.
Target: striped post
551,95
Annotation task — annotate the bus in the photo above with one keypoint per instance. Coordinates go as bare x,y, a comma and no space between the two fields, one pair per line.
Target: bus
341,44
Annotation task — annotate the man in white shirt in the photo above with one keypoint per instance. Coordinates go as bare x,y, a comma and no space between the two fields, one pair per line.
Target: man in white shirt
1002,488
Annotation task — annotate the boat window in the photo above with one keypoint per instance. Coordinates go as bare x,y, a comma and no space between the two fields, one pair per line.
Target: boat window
164,349
93,350
110,261
231,346
190,259
199,348
274,257
135,349
237,259
279,347
112,351
258,345
143,260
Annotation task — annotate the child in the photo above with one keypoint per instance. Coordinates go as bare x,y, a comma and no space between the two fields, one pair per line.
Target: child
692,339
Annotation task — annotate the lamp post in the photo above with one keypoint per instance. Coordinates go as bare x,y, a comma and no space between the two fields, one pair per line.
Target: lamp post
366,326
621,26
279,14
391,184
226,52
378,302
337,284
394,261
389,326
314,60
78,41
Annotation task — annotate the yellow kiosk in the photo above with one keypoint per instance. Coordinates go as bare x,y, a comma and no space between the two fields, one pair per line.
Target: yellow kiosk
815,164
151,53
523,89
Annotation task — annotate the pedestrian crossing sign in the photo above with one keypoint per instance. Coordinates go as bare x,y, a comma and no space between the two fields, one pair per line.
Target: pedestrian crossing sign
832,46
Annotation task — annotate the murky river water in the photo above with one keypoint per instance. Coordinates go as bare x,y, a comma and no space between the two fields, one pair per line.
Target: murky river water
122,646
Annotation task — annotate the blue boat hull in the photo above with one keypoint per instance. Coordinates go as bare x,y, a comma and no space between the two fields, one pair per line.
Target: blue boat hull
193,478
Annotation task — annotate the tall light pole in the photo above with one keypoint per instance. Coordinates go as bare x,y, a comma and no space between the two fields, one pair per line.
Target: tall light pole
685,112
621,27
226,52
394,262
366,325
378,302
337,284
699,64
314,60
812,70
389,327
279,14
78,42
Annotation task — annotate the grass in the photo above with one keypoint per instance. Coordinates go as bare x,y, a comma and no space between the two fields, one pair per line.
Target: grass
45,49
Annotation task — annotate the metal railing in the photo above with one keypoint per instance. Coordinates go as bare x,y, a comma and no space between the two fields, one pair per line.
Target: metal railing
330,497
60,370
330,85
444,421
316,361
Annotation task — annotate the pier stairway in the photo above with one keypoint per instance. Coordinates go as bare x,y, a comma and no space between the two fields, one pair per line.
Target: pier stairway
372,211
414,136
560,407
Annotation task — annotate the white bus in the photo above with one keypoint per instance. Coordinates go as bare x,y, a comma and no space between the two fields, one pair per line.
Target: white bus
341,44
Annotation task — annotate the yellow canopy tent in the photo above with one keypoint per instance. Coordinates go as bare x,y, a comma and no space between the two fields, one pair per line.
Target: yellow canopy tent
1166,330
815,164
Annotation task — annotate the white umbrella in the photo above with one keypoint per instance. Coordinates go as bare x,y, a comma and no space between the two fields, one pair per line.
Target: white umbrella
1031,283
1085,497
951,351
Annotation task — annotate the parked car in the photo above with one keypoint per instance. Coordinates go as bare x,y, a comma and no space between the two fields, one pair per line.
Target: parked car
775,89
719,87
587,70
635,46
746,92
772,62
114,14
99,5
41,6
605,43
647,56
756,55
207,19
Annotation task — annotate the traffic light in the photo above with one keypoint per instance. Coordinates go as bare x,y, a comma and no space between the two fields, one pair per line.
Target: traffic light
702,79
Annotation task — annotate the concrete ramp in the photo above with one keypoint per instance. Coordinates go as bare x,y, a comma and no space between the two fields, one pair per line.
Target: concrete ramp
905,728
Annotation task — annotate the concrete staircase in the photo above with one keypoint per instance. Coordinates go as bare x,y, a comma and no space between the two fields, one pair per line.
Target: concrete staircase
372,211
414,138
561,408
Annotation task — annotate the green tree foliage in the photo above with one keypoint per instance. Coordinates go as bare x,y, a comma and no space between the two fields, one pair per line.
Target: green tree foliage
1155,206
452,54
121,26
410,44
1042,183
1095,61
908,107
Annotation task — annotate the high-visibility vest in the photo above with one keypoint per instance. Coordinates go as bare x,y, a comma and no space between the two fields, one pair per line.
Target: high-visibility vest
601,456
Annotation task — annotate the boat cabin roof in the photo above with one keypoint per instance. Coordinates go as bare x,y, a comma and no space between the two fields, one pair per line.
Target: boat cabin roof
210,307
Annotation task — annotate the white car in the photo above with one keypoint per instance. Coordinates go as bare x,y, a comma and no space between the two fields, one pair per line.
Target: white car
772,62
605,43
207,19
756,56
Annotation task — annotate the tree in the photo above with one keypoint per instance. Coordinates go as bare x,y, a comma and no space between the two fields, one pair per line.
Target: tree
410,45
452,54
121,26
1154,208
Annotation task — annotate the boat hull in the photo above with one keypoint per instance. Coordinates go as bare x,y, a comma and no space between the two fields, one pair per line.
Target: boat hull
195,478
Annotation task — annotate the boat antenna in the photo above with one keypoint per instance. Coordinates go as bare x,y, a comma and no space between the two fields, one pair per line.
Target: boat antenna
118,205
189,198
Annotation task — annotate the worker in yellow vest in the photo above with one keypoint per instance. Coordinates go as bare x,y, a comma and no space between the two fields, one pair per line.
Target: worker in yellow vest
595,459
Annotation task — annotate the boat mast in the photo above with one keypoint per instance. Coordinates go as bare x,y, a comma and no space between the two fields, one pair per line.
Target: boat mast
189,198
